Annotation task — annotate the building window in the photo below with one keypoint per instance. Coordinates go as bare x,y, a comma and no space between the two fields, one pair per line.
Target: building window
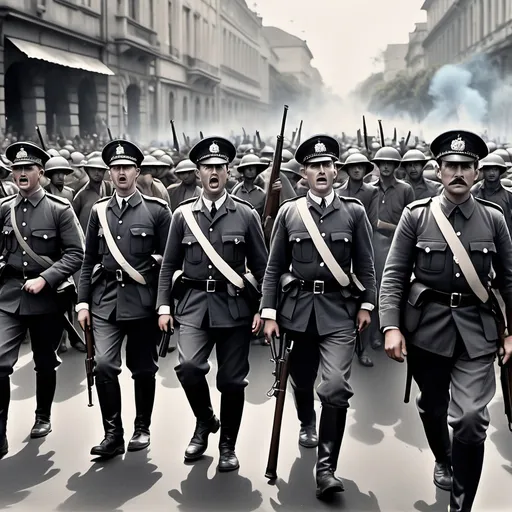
132,9
185,109
151,13
169,24
171,105
186,15
197,36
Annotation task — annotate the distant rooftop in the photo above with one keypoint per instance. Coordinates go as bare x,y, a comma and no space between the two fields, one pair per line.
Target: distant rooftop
278,38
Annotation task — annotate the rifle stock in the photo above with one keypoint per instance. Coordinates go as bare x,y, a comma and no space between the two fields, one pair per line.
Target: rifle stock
175,140
281,358
89,362
272,199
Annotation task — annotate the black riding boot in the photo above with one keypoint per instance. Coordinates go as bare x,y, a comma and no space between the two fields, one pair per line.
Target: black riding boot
206,422
45,391
5,398
144,401
332,428
109,397
305,405
436,431
467,462
231,409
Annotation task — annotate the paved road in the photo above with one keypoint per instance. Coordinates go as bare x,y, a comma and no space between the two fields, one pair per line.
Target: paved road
385,463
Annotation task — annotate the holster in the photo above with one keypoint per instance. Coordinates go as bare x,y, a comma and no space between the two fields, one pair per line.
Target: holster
177,287
411,310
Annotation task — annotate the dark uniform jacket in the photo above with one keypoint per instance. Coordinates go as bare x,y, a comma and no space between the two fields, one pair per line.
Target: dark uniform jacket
256,196
348,235
419,247
392,201
368,195
237,235
180,192
140,231
50,227
66,192
85,199
425,188
502,197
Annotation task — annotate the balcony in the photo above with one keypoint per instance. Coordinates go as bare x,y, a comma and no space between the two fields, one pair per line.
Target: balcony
134,36
200,72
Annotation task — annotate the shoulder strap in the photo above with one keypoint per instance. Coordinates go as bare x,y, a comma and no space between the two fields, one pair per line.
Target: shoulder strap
210,251
458,250
44,261
101,208
319,242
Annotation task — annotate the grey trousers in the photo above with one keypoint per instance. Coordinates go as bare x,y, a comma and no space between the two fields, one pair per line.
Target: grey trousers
45,333
232,346
472,384
333,354
141,347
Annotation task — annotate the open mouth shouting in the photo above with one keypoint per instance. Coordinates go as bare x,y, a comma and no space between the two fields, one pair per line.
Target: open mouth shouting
321,180
23,180
122,179
214,182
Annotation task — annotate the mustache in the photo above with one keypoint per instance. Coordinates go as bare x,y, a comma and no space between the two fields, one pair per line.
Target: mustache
458,181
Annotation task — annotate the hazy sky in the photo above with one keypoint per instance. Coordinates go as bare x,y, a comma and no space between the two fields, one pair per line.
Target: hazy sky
345,36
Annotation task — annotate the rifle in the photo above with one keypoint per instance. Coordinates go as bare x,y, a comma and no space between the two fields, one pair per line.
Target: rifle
365,135
381,131
109,134
175,141
261,144
272,199
281,359
89,362
201,135
165,340
299,135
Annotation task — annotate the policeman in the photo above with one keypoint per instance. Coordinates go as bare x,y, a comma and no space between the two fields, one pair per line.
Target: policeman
187,186
357,166
413,163
314,310
211,311
249,167
119,299
29,295
490,188
451,334
394,196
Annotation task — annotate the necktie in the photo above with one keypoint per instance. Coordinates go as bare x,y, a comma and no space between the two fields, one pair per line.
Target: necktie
124,202
213,211
323,204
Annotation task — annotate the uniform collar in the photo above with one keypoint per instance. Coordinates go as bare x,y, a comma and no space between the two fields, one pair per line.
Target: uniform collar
34,199
318,200
218,203
467,208
132,200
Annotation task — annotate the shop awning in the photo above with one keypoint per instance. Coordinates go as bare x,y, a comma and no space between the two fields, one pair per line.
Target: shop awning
61,57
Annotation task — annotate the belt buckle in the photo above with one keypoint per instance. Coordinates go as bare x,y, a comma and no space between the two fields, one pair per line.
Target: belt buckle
210,285
119,275
455,300
318,287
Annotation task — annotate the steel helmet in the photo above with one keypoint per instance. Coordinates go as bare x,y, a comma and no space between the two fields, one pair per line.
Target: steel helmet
493,160
387,154
414,155
360,159
57,164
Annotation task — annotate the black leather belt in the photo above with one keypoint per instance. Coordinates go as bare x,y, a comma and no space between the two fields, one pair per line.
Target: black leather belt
320,287
206,285
118,275
454,300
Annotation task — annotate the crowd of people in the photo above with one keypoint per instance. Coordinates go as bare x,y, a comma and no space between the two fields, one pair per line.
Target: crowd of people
158,239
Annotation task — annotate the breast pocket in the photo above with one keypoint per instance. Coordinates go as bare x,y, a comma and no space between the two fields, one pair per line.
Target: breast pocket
431,255
302,246
341,245
233,248
102,243
9,241
44,241
141,240
482,252
193,251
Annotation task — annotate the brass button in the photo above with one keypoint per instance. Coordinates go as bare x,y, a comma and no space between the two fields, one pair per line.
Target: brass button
25,263
209,266
211,229
120,222
427,249
457,274
25,238
458,233
24,252
23,224
45,236
24,209
297,239
118,237
346,239
190,243
485,250
143,234
322,264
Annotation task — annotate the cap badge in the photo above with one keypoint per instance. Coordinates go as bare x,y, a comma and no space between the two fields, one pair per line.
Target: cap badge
214,148
119,150
320,147
21,154
458,144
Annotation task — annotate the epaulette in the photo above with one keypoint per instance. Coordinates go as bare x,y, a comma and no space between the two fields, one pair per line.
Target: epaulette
351,199
290,200
103,199
189,200
59,199
419,202
242,201
490,203
162,202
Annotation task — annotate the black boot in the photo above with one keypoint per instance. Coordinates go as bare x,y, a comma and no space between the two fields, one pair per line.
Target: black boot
109,397
5,398
305,405
231,409
45,391
467,462
332,428
436,430
144,400
206,422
